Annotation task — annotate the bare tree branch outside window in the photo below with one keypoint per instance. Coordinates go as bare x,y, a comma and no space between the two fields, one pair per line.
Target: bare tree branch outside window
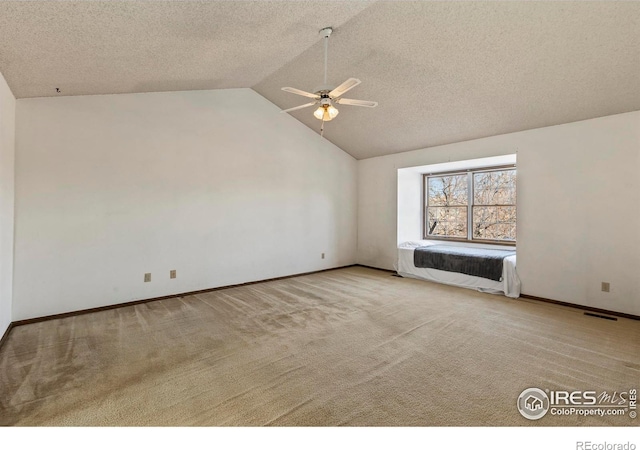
491,204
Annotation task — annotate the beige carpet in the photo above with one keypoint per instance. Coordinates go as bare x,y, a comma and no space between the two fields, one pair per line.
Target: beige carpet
351,347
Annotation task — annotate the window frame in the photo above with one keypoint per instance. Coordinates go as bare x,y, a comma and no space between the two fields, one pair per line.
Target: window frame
470,204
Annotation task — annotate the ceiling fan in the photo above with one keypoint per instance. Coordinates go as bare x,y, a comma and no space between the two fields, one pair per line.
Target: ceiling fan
325,96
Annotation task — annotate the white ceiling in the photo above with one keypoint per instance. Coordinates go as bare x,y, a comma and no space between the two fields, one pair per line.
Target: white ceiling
442,71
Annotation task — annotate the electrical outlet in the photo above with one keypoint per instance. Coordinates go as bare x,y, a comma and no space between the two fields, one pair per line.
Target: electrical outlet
323,256
147,277
172,274
606,287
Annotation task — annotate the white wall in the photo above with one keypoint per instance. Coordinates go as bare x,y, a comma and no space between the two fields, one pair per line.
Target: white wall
7,153
578,207
410,210
215,184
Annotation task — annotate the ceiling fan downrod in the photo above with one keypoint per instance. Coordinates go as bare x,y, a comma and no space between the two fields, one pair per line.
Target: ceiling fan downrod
326,32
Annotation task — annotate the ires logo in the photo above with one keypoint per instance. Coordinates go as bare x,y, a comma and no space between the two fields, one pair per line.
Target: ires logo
587,398
534,403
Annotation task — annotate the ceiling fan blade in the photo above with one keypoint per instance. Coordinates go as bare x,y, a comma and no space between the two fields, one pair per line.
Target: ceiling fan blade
344,87
299,92
306,105
348,101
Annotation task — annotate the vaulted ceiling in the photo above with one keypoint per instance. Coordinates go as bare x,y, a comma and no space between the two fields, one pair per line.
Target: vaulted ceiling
442,72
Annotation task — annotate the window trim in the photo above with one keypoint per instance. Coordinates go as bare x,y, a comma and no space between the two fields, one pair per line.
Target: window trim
469,206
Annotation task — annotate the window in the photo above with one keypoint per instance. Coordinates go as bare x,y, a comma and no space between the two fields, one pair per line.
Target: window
477,205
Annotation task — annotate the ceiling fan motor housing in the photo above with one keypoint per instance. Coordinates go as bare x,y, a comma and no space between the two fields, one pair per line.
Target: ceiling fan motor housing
323,89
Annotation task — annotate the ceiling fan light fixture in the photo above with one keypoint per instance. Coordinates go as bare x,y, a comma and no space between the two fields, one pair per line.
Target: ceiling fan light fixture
326,112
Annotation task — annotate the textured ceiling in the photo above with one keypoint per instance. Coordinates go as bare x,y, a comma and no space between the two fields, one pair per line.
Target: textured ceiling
442,72
106,47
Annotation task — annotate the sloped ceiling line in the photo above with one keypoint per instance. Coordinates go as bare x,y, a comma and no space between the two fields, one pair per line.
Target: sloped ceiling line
442,72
